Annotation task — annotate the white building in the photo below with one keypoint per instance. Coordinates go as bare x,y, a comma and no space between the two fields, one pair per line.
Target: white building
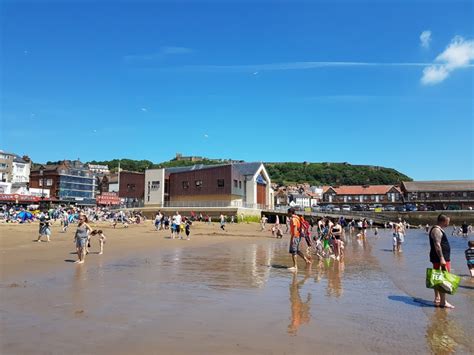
97,169
21,170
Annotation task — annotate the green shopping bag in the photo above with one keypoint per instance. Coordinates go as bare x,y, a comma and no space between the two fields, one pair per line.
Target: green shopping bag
442,280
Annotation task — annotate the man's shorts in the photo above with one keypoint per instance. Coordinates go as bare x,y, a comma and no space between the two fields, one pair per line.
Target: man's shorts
294,246
448,266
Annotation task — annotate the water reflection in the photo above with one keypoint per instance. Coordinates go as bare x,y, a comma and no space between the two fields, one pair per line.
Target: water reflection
441,333
78,285
334,271
300,311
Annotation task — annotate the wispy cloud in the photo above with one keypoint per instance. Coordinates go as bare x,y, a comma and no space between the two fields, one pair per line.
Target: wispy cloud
176,50
458,54
156,56
256,68
425,39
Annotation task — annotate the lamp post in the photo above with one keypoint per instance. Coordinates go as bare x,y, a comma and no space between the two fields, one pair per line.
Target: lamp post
41,172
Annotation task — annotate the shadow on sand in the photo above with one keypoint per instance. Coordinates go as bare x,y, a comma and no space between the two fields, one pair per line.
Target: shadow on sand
69,261
277,266
412,301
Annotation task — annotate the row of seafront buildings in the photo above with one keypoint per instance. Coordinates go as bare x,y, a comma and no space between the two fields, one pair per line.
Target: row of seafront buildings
233,184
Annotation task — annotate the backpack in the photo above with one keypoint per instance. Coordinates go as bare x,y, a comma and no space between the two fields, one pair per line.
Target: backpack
304,227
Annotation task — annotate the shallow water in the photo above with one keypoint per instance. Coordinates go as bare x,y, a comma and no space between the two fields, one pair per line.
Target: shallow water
240,298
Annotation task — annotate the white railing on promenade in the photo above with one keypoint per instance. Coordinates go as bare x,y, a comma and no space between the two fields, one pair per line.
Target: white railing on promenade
213,204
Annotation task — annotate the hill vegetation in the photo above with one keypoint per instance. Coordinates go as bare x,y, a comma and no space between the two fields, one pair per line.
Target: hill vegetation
333,174
289,173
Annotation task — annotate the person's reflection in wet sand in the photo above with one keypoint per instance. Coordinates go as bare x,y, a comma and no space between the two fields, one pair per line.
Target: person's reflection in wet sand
300,311
334,272
441,333
77,288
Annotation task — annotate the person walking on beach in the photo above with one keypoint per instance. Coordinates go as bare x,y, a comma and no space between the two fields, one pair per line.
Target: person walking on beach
187,229
295,239
44,228
222,221
81,238
158,219
464,229
440,255
65,220
398,238
469,253
263,223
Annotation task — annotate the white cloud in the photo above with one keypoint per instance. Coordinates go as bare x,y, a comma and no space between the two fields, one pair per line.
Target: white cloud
144,109
458,54
434,74
425,39
206,136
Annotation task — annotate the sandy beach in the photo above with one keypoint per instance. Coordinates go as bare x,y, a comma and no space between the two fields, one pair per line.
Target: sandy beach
222,292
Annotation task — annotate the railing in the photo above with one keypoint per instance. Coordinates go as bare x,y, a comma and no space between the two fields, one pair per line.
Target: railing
213,204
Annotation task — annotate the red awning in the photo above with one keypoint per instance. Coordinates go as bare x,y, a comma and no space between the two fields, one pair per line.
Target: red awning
17,198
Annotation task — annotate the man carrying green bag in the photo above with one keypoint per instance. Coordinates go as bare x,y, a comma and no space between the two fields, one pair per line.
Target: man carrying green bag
440,255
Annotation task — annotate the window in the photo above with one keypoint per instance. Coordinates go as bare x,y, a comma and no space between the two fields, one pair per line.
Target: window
185,184
49,182
464,194
198,183
155,185
240,184
235,183
40,182
220,182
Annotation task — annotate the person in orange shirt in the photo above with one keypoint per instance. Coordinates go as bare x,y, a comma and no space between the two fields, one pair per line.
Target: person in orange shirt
295,239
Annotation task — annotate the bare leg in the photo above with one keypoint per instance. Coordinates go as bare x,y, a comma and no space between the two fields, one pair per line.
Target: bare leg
444,303
101,248
295,265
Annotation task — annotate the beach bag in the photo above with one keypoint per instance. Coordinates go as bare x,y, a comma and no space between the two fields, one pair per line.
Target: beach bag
442,280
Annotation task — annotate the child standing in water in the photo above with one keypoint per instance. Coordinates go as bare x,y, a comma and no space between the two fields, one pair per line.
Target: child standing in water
102,239
470,257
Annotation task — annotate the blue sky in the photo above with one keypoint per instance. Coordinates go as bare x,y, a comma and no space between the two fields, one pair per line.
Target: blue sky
366,82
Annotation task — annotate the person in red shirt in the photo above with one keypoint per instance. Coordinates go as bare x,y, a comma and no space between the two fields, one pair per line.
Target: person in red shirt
295,239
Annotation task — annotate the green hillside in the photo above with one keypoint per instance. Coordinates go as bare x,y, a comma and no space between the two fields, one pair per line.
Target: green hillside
333,174
289,173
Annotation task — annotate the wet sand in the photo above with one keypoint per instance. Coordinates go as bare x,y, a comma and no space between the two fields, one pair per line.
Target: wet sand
222,292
